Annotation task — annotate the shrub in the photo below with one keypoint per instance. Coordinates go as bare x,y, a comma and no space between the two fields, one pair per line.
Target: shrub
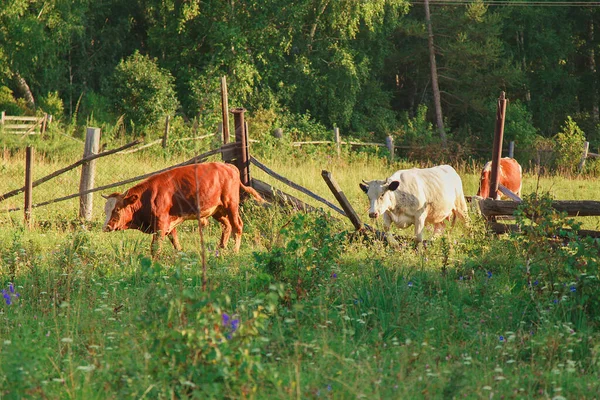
53,105
142,91
569,146
306,259
561,268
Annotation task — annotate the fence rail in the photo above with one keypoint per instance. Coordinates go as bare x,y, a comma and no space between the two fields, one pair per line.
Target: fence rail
23,125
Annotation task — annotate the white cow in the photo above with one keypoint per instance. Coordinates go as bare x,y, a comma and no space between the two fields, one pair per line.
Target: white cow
417,196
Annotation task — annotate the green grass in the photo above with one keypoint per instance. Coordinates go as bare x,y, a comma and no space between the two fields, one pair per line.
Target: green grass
320,316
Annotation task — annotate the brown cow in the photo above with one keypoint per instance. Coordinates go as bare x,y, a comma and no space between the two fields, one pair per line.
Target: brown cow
163,201
509,175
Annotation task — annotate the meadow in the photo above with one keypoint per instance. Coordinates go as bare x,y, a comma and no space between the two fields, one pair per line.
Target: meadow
305,310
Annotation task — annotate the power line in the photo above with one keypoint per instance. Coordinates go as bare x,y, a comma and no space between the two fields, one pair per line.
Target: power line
518,3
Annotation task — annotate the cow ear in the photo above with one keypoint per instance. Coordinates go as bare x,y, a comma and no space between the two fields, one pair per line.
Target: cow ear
130,199
393,185
364,187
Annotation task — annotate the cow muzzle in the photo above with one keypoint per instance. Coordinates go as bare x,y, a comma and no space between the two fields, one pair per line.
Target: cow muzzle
108,228
373,215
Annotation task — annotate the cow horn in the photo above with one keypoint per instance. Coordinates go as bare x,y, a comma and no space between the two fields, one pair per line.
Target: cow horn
104,196
365,182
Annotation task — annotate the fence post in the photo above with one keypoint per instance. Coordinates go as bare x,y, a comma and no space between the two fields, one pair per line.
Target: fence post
28,184
586,148
225,110
511,149
389,143
242,139
88,169
497,152
336,139
166,134
2,118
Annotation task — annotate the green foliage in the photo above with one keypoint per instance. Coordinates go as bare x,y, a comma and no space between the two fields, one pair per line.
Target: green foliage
8,103
569,146
209,349
53,105
561,268
142,91
307,257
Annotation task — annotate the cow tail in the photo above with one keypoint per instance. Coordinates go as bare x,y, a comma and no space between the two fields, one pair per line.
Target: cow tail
253,193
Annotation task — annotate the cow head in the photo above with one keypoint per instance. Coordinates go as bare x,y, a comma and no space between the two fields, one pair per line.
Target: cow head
484,180
119,211
379,195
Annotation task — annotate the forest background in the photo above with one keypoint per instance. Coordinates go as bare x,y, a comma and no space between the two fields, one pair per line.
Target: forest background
308,66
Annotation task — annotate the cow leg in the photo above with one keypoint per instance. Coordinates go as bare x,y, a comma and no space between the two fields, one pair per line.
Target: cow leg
419,225
238,226
175,239
223,219
156,246
387,223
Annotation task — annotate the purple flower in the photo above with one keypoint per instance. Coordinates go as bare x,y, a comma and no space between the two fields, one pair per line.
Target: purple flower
572,289
536,283
11,288
555,301
489,274
501,338
232,324
334,275
329,387
6,296
410,284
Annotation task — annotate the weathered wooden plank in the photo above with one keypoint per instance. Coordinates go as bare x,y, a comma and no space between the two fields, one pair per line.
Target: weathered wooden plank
509,193
573,208
275,195
296,186
341,198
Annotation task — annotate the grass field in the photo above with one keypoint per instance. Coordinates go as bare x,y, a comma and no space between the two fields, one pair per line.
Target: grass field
302,311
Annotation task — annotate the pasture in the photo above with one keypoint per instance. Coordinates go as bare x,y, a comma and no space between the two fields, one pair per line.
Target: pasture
302,311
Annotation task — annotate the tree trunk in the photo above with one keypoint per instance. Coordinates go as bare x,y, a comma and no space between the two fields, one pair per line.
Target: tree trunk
24,90
592,66
439,120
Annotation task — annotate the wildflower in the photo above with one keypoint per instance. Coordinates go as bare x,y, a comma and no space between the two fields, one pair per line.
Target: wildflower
334,276
489,274
536,283
410,284
555,301
329,388
11,288
572,289
501,338
461,278
232,324
6,296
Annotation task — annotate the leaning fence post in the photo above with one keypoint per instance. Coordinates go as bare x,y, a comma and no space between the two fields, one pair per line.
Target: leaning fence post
511,149
88,169
389,143
586,148
336,139
497,151
28,185
166,133
225,110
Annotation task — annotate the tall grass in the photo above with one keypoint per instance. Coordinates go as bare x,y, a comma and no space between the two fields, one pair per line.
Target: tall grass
303,311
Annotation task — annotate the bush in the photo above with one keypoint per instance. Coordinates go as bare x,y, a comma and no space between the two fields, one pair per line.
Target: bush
569,146
53,105
142,91
561,268
306,259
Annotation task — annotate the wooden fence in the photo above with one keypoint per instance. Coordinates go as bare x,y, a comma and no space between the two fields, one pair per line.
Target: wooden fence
24,125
